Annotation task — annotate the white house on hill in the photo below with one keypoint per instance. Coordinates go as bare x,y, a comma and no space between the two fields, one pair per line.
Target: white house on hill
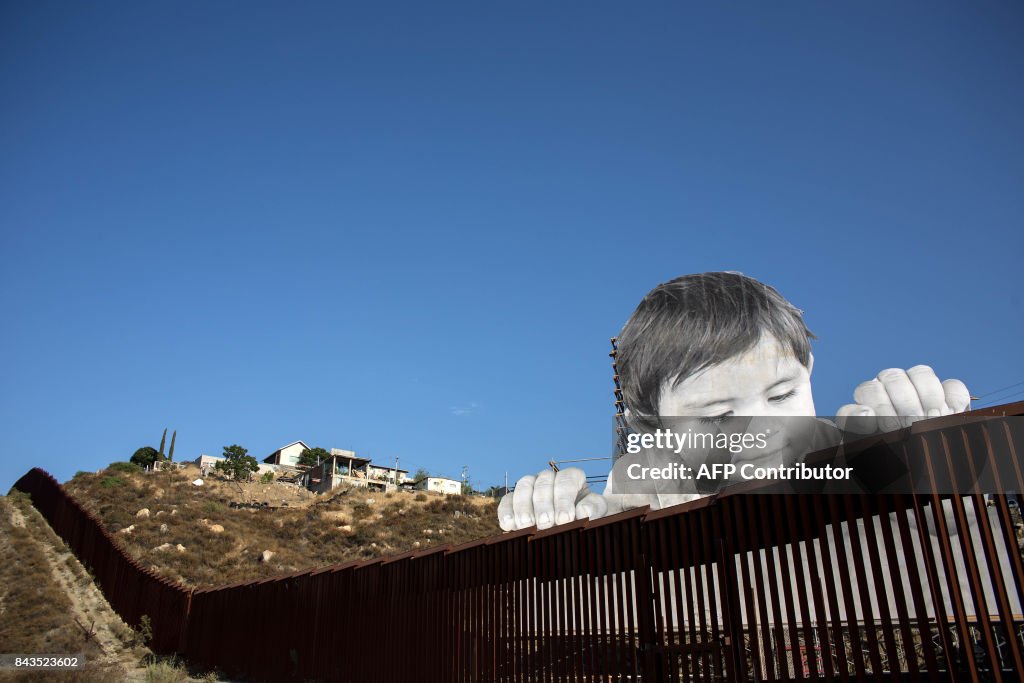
206,463
440,484
286,455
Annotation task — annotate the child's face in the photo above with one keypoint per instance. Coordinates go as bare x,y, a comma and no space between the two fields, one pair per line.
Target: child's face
765,382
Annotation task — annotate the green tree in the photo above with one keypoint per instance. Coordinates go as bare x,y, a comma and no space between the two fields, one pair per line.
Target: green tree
237,463
145,456
420,475
311,456
163,440
170,453
495,491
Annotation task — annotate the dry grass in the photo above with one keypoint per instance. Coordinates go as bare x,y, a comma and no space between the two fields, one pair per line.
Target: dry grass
351,524
35,613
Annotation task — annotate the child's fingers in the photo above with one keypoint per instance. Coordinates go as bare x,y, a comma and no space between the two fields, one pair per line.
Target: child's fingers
957,397
506,513
543,499
873,395
522,502
888,420
570,485
929,389
591,506
857,419
902,394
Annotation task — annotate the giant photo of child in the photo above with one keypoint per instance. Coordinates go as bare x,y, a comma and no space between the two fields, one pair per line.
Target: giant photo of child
712,346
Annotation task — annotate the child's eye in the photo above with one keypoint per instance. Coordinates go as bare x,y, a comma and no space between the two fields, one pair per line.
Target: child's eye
715,419
784,397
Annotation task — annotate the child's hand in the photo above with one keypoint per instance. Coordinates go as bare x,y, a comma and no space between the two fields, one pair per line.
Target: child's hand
550,498
898,398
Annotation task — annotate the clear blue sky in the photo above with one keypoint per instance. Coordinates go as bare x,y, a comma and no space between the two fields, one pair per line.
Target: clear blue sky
410,229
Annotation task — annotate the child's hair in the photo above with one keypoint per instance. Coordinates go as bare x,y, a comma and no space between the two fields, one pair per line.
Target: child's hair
690,323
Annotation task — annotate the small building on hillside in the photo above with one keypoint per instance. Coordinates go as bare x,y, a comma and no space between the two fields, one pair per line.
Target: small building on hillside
381,473
287,456
337,470
164,465
206,463
443,485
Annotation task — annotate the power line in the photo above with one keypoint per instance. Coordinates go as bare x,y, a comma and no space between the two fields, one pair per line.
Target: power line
999,391
1001,399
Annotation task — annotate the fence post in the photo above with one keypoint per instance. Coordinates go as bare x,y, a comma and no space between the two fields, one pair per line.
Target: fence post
646,629
733,627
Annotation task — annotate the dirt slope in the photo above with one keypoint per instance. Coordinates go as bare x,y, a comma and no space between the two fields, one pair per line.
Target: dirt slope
50,605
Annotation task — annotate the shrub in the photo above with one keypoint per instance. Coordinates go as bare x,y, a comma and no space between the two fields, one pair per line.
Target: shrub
19,498
145,630
165,671
111,482
124,467
360,538
361,511
267,477
420,497
211,507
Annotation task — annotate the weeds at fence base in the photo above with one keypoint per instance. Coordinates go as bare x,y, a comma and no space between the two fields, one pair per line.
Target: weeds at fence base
164,669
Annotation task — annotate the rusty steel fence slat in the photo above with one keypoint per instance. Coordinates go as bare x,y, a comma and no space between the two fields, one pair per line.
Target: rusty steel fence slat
732,587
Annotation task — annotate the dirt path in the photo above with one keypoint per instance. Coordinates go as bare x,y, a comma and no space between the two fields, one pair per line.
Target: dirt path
88,606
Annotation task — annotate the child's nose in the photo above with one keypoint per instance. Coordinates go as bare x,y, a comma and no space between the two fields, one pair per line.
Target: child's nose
759,408
768,424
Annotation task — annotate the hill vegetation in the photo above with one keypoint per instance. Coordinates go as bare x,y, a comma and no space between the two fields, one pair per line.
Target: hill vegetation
225,532
49,604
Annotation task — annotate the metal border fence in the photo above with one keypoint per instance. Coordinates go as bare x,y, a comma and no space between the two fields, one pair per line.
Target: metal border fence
733,587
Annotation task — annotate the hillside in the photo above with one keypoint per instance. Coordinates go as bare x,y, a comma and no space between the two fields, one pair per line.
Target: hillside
49,604
195,535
